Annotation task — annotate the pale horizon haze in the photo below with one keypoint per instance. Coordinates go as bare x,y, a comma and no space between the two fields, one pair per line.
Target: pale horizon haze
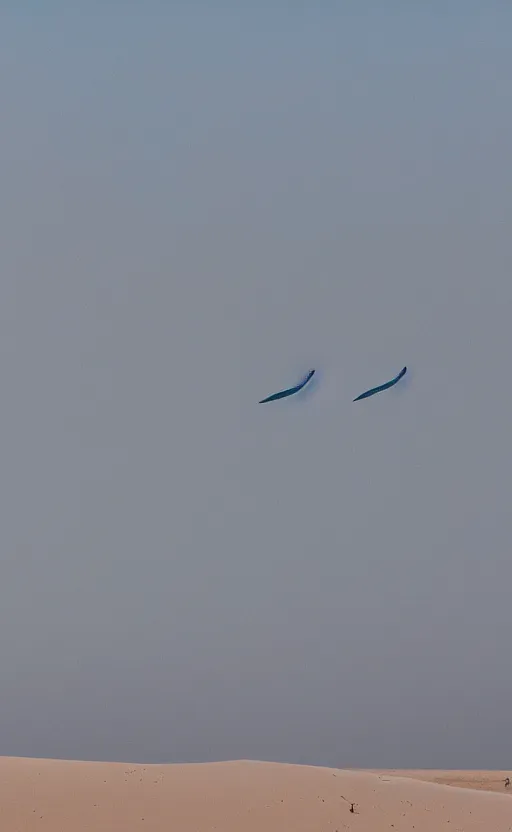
198,205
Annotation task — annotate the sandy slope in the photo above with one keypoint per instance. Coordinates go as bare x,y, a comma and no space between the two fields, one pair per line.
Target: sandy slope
491,781
62,796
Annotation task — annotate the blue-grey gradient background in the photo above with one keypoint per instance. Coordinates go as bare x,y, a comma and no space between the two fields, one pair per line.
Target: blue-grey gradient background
197,206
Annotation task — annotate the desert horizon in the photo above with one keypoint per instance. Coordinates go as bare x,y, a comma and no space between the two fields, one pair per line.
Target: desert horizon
250,795
233,528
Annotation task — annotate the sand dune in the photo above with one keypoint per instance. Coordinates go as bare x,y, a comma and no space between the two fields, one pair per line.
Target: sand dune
490,781
242,796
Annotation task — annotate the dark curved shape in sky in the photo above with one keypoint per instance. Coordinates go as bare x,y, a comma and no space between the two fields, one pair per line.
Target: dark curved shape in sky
290,391
382,386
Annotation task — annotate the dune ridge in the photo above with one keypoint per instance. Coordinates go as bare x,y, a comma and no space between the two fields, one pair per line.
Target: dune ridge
244,796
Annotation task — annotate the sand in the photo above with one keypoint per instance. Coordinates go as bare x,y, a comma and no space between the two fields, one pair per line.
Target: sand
245,796
490,781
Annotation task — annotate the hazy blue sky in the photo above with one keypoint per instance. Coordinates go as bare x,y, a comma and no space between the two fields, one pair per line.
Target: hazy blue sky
197,206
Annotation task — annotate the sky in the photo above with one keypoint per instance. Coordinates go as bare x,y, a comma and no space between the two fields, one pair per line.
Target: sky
198,205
